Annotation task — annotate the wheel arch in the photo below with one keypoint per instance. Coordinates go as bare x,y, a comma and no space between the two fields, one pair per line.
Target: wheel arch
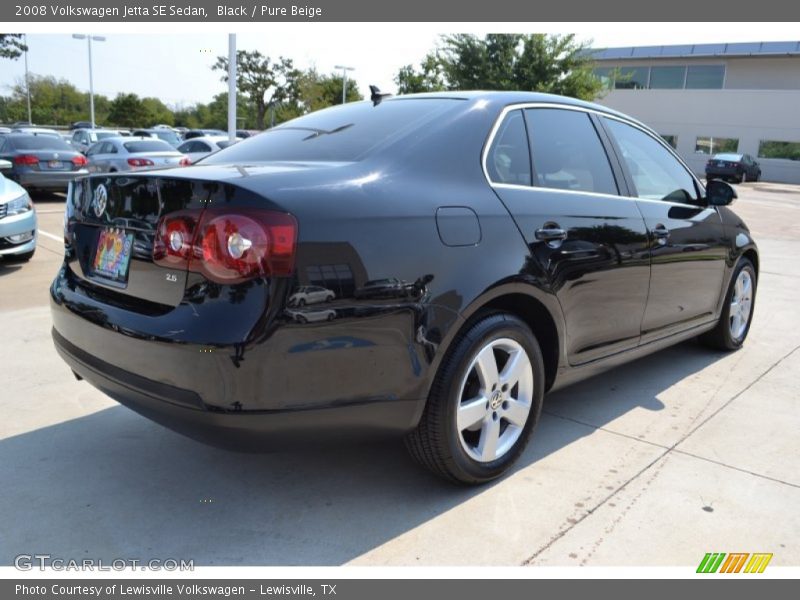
538,309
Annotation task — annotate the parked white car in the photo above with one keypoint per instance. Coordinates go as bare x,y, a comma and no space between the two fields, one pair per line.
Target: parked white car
200,147
17,219
311,294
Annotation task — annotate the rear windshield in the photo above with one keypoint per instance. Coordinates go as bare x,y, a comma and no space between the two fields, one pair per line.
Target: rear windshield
733,157
343,133
148,146
38,142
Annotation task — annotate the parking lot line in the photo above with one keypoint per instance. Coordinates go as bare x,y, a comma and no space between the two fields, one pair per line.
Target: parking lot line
51,236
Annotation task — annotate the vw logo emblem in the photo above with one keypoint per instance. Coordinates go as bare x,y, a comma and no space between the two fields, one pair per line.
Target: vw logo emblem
100,200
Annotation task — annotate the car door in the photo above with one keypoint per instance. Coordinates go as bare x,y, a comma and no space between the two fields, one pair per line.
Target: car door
95,156
550,168
687,238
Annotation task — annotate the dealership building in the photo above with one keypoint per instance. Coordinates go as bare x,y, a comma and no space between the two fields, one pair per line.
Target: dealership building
710,98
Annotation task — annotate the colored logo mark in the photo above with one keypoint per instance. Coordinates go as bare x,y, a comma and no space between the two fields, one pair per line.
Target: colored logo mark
734,562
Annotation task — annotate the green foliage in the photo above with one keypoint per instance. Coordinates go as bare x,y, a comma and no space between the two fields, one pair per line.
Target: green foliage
53,102
11,45
128,110
785,150
258,75
555,64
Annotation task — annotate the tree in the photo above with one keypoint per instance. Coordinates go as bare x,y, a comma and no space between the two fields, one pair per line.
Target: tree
318,91
128,110
11,45
555,64
53,102
257,75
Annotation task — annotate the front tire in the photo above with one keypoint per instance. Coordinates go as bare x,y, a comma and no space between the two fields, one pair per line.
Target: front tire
484,403
737,314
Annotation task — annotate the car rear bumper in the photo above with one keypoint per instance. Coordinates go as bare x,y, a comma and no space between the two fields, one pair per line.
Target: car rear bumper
722,172
266,402
48,180
183,411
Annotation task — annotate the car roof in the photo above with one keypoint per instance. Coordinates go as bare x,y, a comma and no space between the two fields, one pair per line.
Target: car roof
503,98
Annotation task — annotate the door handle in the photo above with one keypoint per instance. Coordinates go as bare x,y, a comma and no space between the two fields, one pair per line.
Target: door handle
660,231
551,232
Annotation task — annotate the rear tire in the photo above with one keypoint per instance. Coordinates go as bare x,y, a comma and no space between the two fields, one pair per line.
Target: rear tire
484,403
737,314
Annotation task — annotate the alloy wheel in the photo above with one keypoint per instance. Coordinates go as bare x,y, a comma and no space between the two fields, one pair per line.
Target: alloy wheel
495,400
741,304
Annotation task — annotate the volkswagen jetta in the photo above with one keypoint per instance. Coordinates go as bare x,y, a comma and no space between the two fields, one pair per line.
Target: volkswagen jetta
511,244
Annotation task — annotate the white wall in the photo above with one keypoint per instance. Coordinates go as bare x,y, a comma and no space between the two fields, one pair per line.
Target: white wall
749,115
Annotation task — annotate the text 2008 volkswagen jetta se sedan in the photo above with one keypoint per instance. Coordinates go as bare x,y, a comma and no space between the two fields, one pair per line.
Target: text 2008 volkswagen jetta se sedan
423,266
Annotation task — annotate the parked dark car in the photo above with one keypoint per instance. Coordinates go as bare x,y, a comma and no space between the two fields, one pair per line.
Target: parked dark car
195,133
42,162
733,167
547,239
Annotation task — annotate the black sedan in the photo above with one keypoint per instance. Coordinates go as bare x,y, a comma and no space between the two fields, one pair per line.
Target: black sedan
528,241
42,162
733,167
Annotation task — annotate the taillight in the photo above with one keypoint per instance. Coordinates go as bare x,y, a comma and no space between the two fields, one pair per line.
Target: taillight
80,161
26,159
140,162
185,162
227,246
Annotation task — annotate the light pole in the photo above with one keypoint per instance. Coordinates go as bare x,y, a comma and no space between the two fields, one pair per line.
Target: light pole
27,79
89,38
344,80
231,87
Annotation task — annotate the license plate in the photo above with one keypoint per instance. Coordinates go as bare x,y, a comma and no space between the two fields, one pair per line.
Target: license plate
113,255
55,164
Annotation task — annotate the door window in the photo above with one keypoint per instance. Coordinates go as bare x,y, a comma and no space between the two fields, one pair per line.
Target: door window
567,152
656,173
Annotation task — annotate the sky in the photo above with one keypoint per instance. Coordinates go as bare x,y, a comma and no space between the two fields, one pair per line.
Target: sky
176,66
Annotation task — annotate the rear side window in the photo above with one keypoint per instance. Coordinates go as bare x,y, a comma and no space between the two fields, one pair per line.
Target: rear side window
656,173
344,133
509,159
567,152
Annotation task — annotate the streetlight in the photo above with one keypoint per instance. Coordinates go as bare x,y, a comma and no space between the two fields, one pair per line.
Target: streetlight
89,38
344,80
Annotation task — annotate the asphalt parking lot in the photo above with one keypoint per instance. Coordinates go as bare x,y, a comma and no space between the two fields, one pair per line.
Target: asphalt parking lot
684,452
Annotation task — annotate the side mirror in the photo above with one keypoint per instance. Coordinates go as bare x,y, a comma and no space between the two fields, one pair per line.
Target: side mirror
6,166
719,193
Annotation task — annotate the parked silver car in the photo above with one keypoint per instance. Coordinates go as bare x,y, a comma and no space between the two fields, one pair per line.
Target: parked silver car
17,219
82,139
200,147
132,154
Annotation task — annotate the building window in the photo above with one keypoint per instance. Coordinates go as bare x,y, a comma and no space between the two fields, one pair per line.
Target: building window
606,76
773,149
672,140
715,145
631,78
667,78
705,77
